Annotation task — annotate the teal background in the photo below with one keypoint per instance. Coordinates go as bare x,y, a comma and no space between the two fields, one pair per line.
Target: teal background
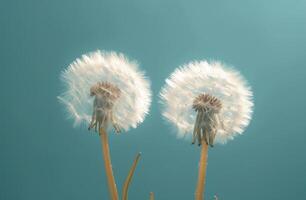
43,157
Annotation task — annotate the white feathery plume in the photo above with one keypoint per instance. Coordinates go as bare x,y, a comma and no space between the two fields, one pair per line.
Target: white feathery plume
111,68
213,78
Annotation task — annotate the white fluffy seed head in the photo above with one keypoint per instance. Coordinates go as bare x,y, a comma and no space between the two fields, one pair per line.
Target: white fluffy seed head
134,101
212,78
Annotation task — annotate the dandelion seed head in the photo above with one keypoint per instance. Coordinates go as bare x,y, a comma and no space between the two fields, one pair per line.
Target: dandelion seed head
211,85
205,102
113,75
106,89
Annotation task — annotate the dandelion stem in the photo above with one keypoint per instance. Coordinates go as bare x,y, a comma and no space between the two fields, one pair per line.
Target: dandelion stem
151,196
108,165
202,172
129,178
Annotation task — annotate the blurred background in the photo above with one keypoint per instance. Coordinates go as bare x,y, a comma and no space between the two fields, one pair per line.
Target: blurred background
43,157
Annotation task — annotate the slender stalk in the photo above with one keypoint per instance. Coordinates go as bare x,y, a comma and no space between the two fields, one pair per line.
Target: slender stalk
129,178
202,172
108,165
151,196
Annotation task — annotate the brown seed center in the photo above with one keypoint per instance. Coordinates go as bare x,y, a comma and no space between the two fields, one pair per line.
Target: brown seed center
207,121
205,102
105,89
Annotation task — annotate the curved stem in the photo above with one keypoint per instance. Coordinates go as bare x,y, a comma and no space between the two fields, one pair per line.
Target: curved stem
151,196
129,178
202,172
108,165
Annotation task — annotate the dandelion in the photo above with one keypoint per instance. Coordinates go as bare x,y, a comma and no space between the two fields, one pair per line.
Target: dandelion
208,102
103,90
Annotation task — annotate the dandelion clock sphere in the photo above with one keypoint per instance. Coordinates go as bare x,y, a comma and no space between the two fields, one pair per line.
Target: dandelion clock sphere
111,77
209,102
227,95
103,90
